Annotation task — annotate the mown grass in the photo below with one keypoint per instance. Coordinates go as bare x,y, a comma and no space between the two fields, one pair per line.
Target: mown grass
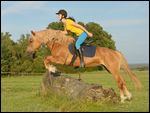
21,93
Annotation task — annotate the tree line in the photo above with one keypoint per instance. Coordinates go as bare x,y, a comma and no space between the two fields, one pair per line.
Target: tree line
15,59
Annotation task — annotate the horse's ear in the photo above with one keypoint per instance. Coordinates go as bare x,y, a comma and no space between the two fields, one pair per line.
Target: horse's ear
33,33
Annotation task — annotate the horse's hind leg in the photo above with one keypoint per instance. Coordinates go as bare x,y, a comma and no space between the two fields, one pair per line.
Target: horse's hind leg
124,93
120,82
128,94
121,85
125,90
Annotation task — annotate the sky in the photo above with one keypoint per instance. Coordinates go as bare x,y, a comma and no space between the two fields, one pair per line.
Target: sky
126,21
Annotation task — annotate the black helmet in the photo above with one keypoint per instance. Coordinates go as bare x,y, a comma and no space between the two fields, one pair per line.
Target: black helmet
63,12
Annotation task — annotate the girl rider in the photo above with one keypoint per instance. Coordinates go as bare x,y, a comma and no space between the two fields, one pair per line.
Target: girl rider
79,30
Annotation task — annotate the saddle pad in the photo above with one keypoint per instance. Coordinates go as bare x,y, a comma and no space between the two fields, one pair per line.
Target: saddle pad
88,51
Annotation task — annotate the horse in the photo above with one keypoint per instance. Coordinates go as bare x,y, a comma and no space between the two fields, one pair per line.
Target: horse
58,42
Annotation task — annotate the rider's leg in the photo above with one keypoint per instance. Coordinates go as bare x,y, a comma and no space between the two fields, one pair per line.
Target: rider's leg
78,43
80,53
74,57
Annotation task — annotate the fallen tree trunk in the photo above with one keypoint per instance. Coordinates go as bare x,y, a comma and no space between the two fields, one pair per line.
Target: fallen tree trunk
65,85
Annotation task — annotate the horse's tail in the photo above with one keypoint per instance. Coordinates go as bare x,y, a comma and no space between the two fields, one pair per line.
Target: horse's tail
134,78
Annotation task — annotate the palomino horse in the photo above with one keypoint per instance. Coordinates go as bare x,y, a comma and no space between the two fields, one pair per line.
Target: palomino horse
58,43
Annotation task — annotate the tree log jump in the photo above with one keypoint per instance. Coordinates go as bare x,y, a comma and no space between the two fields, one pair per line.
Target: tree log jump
75,88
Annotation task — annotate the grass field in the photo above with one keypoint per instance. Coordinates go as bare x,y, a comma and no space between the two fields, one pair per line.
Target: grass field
21,93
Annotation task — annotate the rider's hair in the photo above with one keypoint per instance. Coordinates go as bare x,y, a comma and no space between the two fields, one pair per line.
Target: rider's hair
71,18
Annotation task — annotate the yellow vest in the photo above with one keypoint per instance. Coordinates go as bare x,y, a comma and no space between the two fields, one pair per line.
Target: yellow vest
72,28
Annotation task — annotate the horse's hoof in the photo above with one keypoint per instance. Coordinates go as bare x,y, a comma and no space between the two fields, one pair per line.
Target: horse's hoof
129,97
123,99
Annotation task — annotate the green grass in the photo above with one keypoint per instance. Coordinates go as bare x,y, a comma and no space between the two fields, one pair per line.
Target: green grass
21,93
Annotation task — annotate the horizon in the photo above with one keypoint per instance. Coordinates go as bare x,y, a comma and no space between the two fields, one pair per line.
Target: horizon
127,22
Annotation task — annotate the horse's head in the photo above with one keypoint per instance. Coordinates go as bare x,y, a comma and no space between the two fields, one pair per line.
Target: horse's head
33,44
49,37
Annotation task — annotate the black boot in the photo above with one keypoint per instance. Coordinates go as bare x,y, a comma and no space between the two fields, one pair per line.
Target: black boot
73,58
80,52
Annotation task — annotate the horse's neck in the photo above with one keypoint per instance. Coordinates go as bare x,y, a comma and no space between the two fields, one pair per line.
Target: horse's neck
57,35
55,48
55,39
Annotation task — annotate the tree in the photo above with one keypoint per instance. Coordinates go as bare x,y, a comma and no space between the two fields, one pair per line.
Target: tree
20,55
56,26
100,37
7,52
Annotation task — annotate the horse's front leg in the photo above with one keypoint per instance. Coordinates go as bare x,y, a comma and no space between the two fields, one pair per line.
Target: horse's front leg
48,60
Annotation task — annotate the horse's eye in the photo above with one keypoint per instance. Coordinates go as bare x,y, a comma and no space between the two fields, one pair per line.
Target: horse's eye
31,40
53,39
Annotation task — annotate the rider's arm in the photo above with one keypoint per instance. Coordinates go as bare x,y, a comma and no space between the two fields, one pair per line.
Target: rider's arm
81,27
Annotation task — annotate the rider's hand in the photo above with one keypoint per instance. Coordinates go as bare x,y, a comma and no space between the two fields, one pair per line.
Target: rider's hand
90,34
64,32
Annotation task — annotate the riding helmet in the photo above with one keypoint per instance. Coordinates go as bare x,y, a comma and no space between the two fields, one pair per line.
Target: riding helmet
63,12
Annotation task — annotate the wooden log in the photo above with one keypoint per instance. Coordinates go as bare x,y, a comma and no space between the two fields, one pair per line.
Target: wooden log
74,88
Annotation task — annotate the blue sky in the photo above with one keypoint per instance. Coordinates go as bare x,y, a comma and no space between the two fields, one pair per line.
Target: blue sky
127,22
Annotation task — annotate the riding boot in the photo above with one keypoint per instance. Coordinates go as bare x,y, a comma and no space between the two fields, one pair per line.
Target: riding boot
80,52
73,58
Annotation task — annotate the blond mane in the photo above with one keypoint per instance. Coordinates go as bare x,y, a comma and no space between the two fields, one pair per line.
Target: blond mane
54,35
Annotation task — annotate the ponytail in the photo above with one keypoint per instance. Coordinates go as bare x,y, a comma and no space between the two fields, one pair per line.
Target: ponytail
71,18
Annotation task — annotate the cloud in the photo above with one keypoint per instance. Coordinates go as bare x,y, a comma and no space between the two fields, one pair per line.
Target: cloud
21,6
